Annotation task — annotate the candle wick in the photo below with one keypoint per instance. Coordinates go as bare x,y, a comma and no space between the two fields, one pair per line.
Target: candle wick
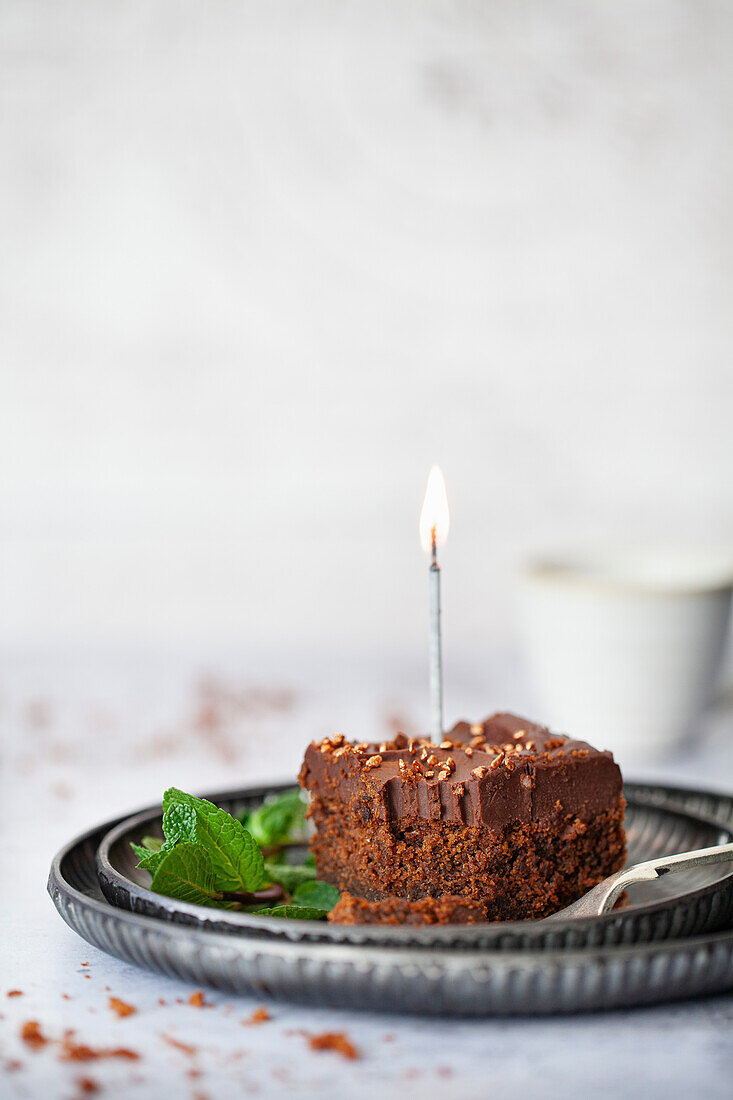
434,545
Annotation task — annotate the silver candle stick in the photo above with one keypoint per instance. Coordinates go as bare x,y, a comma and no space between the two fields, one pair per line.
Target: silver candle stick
434,523
436,655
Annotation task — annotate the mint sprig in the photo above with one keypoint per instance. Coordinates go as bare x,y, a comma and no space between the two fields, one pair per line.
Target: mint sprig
209,857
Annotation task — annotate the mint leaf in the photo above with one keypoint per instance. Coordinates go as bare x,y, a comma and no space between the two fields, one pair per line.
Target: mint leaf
153,843
179,819
151,852
235,858
288,876
278,820
146,859
316,895
186,872
295,912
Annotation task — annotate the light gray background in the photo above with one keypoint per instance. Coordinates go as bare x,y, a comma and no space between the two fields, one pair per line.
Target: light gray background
264,263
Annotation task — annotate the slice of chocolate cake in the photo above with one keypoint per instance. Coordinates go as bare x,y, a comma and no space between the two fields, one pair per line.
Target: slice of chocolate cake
503,815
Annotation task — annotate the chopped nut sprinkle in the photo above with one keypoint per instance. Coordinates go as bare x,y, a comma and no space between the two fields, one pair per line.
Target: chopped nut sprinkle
477,729
446,744
468,751
497,761
480,772
518,734
374,761
432,760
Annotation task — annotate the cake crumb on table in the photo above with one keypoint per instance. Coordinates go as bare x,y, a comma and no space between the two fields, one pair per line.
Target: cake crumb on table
88,1085
259,1016
121,1007
336,1041
32,1035
80,1052
178,1044
14,993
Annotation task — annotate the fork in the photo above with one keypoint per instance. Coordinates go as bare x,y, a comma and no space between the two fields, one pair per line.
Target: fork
602,897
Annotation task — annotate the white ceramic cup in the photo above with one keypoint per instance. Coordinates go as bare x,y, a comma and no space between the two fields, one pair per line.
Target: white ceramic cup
624,648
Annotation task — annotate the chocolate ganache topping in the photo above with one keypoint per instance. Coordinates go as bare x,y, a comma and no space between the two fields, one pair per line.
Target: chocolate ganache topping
492,773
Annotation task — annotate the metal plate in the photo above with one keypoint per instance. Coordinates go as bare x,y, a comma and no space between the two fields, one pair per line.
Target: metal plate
429,980
687,904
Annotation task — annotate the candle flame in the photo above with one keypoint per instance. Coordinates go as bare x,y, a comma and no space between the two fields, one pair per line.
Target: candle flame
434,517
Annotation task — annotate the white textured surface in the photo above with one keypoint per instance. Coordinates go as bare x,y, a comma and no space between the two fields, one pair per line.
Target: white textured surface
88,737
264,263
